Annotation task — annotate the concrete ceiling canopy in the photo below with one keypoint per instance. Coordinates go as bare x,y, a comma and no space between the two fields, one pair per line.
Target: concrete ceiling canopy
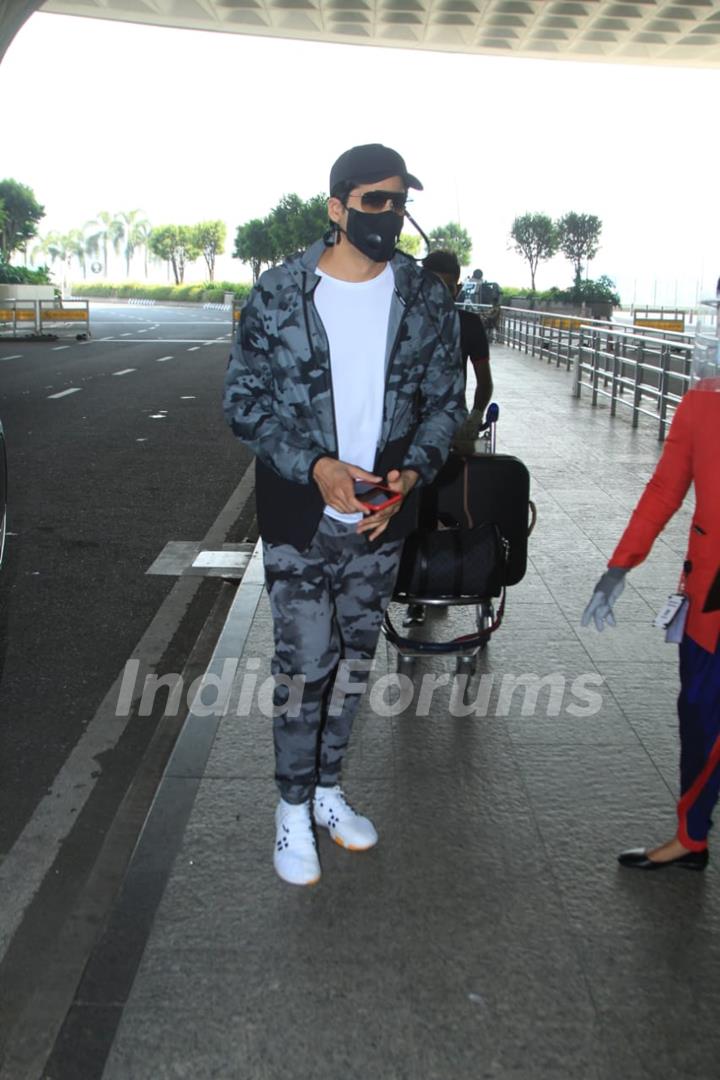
677,32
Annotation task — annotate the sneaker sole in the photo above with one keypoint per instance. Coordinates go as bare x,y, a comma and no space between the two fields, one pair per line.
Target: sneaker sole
300,884
351,847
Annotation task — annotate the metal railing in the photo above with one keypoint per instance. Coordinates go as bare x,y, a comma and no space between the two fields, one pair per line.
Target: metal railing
634,371
43,317
646,371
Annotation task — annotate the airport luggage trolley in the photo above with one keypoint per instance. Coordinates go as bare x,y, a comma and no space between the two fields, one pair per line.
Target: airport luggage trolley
476,487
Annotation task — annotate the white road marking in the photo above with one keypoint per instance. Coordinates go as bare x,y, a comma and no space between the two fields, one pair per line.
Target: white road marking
17,356
187,397
59,348
193,322
158,341
126,334
194,348
125,371
106,338
64,393
160,359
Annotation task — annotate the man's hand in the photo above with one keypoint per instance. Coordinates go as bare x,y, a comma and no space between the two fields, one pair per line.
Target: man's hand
377,521
336,480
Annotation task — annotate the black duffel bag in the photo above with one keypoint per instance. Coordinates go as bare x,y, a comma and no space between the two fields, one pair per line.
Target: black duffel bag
452,563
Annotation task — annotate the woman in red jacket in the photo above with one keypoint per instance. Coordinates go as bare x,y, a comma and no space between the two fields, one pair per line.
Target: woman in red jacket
691,456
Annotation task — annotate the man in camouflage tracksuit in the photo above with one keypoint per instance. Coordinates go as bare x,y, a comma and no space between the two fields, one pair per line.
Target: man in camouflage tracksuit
346,369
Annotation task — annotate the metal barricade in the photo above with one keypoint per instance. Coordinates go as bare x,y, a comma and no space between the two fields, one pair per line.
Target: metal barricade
42,318
17,312
237,307
66,313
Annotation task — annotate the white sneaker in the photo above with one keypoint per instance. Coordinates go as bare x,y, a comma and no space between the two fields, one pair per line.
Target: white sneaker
333,812
295,856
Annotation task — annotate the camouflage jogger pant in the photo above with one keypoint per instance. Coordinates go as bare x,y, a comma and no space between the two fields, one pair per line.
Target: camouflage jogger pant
327,605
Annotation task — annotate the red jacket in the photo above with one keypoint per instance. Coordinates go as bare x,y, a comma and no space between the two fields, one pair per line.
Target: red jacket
691,455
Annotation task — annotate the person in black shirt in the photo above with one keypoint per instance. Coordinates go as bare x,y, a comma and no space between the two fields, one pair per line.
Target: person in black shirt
473,342
473,347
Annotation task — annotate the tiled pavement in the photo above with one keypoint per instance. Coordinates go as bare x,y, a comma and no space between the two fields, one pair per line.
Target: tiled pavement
491,934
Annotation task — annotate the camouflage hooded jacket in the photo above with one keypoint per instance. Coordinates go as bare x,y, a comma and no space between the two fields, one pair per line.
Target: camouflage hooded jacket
279,395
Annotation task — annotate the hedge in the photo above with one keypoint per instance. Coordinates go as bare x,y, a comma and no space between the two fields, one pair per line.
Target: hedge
202,294
22,275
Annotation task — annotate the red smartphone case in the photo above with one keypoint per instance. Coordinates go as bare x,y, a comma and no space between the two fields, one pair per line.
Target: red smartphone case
393,497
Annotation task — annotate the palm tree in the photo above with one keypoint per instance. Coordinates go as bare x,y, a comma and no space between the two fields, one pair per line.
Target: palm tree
50,245
135,231
144,228
62,247
104,228
77,248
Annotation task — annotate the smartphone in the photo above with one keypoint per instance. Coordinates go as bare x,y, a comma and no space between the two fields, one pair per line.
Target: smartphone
377,497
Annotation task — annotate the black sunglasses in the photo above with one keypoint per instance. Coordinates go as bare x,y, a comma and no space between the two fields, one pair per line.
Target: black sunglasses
376,201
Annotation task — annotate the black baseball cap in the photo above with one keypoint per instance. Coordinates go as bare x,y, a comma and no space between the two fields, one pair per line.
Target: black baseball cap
366,164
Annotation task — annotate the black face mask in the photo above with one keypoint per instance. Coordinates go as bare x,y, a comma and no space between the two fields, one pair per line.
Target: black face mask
376,235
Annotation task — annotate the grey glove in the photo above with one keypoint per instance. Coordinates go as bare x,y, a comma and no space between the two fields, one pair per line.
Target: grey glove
605,593
468,431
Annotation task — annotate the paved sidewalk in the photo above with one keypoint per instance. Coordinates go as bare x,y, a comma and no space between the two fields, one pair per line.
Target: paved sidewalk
490,934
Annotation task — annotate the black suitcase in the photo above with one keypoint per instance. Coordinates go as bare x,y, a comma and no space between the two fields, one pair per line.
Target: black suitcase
484,489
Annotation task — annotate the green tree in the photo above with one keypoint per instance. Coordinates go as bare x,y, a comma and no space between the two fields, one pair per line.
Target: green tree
534,236
292,225
20,216
76,248
176,244
210,238
48,245
410,244
144,228
63,248
134,228
104,229
254,245
452,237
296,223
579,239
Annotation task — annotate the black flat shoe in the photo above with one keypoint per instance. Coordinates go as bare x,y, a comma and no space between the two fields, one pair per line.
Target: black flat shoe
638,859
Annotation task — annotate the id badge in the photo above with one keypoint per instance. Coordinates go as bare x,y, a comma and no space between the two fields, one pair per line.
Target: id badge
676,630
672,605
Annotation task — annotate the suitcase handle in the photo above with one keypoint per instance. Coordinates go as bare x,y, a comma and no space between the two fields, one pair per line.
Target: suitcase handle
533,517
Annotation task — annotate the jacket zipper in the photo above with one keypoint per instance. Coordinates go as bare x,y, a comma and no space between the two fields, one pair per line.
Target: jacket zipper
312,353
393,351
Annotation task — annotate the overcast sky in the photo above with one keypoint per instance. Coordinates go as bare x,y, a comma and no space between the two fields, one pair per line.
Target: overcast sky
189,125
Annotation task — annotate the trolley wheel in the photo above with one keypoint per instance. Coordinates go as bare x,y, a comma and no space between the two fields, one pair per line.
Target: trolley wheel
405,664
484,615
466,665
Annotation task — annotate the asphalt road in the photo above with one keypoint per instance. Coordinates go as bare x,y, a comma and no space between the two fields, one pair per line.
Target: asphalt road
132,454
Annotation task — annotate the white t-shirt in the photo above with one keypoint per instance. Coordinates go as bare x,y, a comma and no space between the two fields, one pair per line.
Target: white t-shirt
355,315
